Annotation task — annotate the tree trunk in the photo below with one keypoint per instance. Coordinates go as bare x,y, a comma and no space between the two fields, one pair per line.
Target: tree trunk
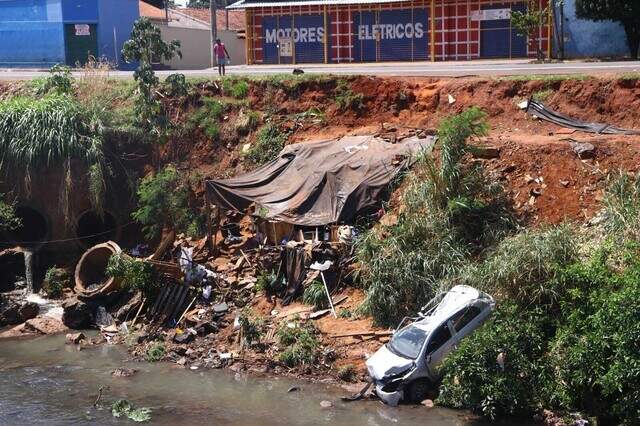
632,29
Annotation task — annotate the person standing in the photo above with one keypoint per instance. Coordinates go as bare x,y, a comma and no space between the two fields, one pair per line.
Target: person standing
222,56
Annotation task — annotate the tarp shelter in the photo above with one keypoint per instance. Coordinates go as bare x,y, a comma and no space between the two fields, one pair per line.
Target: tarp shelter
318,183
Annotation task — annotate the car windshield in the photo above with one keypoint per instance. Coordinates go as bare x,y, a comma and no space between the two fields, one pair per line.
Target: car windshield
408,342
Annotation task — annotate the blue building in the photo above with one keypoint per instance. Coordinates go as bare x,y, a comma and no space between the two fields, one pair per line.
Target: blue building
41,33
584,38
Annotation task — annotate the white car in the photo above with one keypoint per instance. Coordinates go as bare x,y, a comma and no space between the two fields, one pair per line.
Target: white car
407,368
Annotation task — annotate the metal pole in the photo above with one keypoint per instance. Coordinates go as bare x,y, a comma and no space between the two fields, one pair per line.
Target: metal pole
433,31
166,11
214,29
562,30
326,288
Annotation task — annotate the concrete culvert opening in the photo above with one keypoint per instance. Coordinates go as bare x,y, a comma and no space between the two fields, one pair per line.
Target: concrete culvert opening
93,228
91,274
34,229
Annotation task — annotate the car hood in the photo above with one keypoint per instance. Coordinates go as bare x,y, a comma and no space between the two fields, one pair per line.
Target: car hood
385,363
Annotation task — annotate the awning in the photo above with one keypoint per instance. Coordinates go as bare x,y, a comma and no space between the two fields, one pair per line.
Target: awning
319,183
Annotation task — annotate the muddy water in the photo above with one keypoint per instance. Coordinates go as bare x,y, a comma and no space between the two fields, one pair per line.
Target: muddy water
44,381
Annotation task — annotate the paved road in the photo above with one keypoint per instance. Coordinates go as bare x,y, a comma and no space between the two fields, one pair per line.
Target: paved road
425,69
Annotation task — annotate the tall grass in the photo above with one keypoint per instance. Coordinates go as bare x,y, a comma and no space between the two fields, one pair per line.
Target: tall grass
49,132
622,202
451,211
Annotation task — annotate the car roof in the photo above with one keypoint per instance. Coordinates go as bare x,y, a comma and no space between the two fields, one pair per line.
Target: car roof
454,300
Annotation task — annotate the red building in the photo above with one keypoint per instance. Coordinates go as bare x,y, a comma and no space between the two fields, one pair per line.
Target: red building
339,31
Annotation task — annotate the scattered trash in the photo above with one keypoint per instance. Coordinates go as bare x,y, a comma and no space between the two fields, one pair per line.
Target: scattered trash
451,99
293,389
124,372
326,404
584,150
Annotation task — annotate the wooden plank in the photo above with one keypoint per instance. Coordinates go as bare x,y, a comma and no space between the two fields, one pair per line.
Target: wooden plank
362,333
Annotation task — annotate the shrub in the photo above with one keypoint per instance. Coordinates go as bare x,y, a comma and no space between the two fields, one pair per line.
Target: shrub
135,274
269,142
347,373
55,281
473,378
163,202
452,209
346,98
176,85
247,122
315,295
266,282
240,89
252,328
155,352
524,268
8,218
622,203
60,81
208,116
300,342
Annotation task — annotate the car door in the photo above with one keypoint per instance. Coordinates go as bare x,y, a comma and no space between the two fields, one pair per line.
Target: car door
439,345
465,321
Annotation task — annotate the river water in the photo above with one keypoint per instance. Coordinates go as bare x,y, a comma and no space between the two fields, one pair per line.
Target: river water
44,381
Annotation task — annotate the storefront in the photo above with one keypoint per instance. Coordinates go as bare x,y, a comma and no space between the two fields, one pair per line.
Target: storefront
326,31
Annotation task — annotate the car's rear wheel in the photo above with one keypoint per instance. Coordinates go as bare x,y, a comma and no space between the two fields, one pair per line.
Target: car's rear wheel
418,390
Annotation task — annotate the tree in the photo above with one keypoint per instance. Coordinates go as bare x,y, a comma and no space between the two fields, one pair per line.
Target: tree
527,24
627,12
145,45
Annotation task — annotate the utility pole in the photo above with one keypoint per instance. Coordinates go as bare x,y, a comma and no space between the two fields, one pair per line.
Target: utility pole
214,30
562,30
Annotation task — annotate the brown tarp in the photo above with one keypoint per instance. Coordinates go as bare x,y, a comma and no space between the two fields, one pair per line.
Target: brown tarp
317,183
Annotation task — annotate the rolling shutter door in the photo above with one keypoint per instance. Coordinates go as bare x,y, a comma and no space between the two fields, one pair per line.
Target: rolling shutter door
309,38
391,35
497,38
269,39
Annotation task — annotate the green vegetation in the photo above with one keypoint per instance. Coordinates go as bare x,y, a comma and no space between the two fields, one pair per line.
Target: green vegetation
145,45
125,408
453,210
347,373
55,281
235,88
208,117
59,82
527,23
252,327
246,122
269,142
8,219
163,202
155,352
300,344
50,132
135,274
176,85
266,282
564,336
346,98
315,295
542,95
545,77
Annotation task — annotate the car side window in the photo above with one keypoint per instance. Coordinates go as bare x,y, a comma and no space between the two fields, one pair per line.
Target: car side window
464,317
439,338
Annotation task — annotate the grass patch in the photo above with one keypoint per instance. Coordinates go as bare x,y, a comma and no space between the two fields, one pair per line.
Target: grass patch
252,327
125,408
544,77
315,295
269,142
346,98
155,352
300,342
542,95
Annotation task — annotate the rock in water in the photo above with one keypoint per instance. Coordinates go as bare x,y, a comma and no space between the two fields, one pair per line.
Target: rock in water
28,310
74,338
45,325
77,314
102,317
124,372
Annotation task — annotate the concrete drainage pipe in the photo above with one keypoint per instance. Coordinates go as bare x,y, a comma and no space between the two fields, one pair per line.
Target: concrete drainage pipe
90,276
